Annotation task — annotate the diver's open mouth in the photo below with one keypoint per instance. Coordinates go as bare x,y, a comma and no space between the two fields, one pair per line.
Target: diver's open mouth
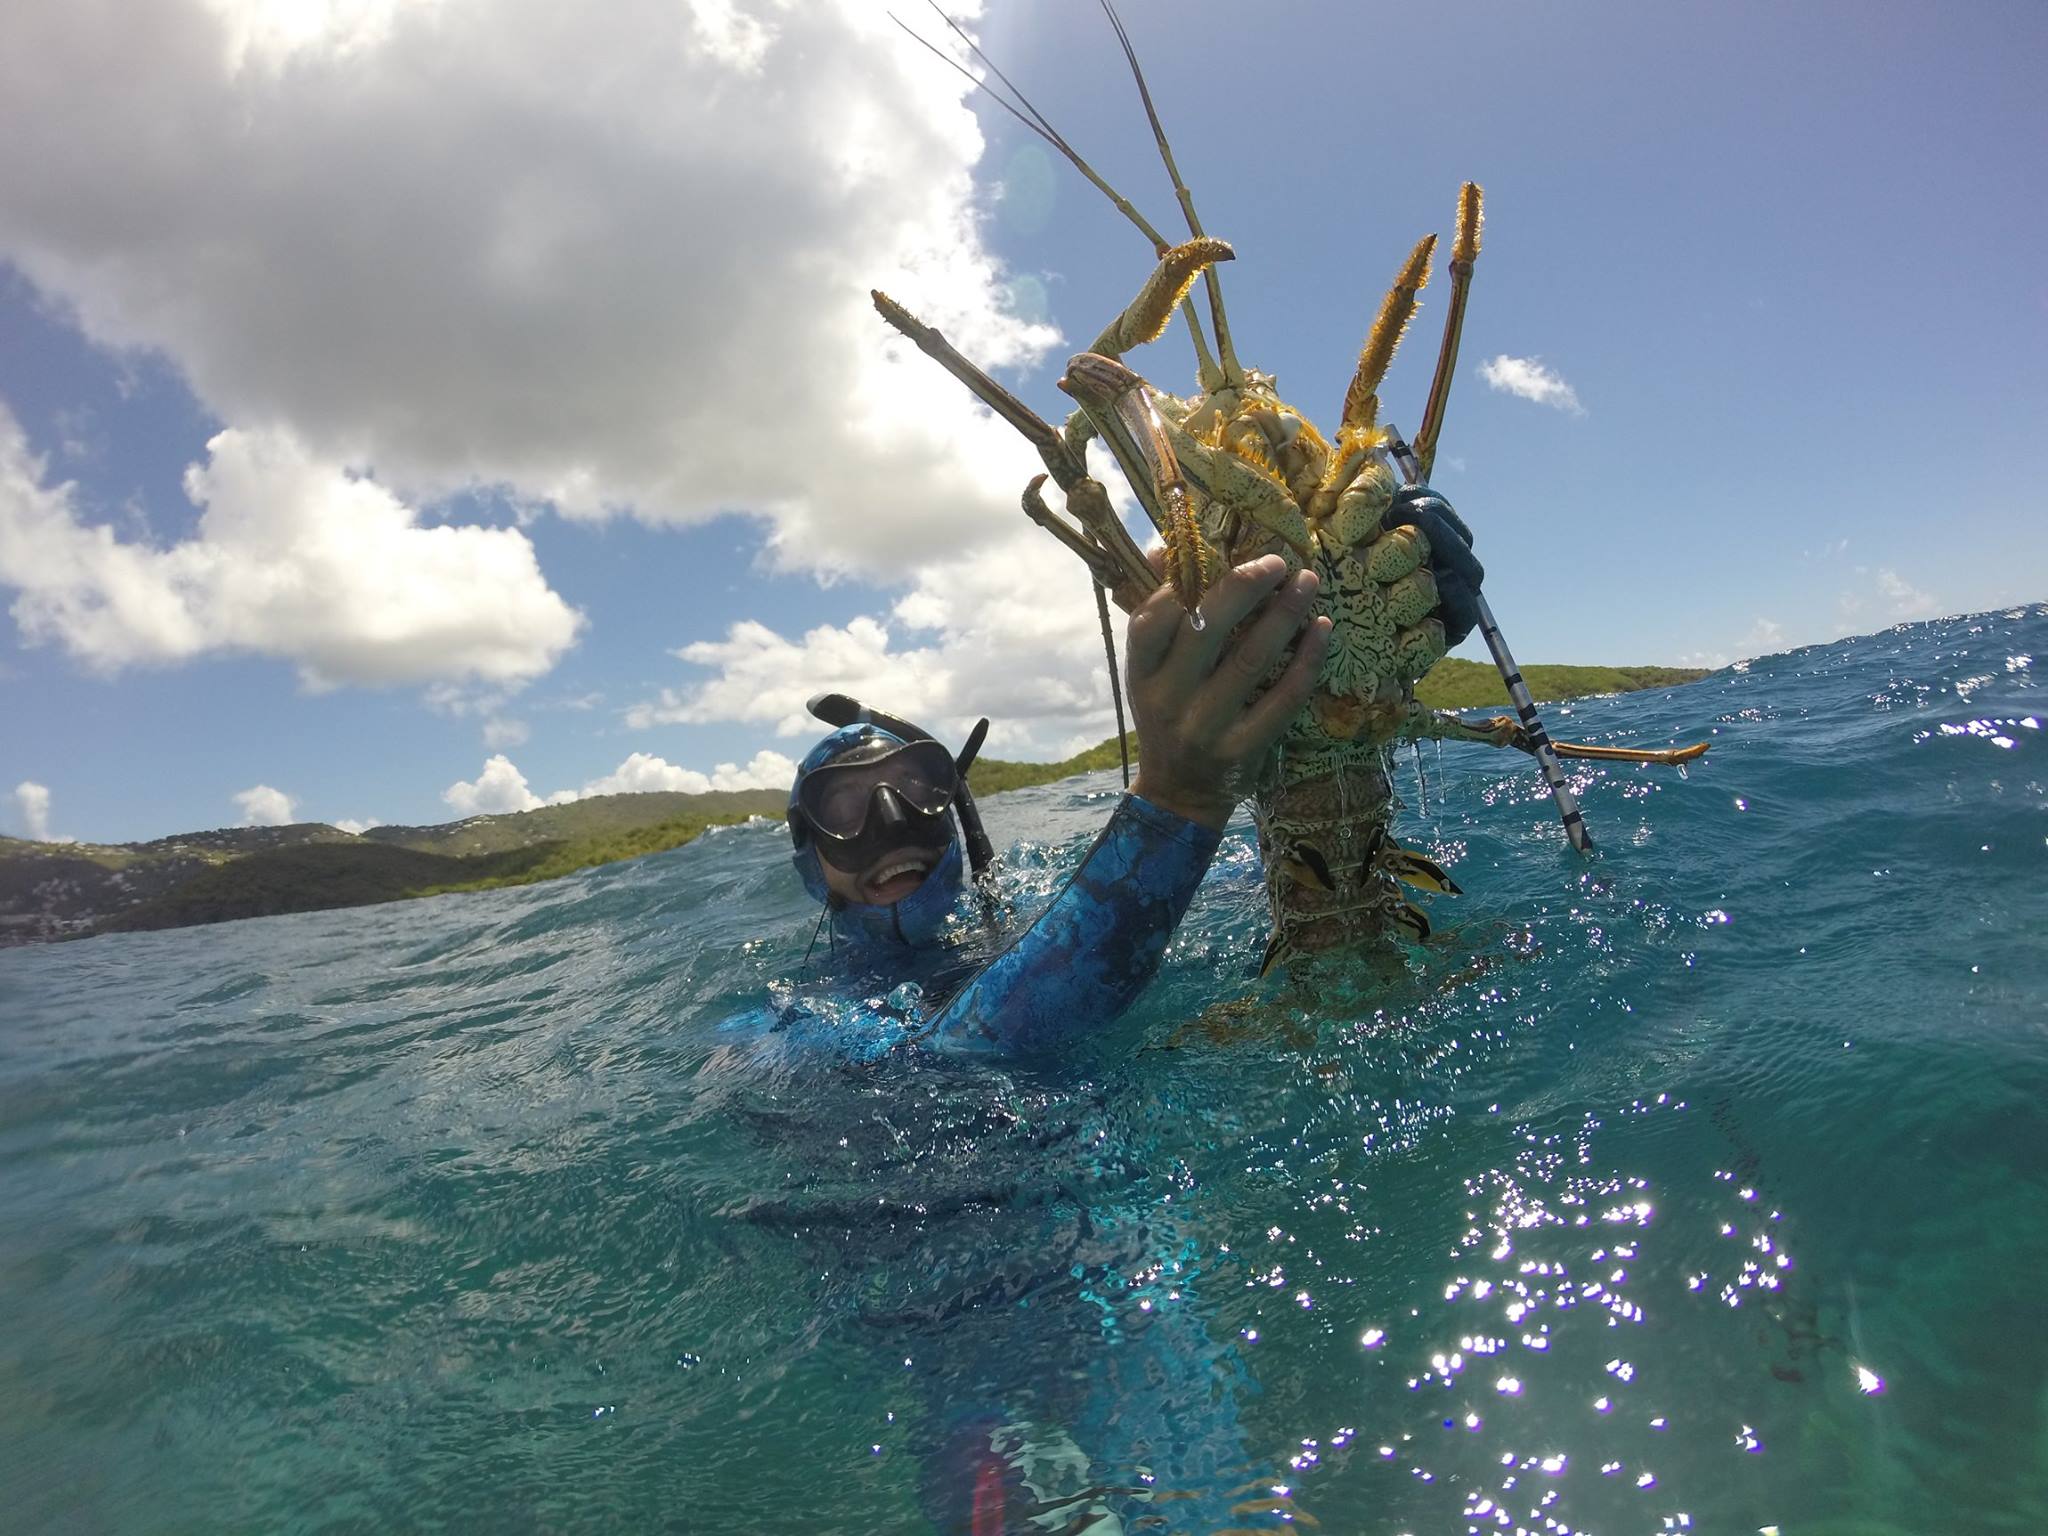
892,878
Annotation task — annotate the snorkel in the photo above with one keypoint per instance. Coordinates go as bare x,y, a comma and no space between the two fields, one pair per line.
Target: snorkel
919,918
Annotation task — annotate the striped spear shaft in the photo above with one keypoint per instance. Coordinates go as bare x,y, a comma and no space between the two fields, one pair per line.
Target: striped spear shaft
1525,707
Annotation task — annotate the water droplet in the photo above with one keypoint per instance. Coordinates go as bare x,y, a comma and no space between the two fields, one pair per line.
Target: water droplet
1195,621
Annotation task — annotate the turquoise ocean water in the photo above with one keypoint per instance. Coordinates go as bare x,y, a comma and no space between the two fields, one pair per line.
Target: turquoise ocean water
1699,1186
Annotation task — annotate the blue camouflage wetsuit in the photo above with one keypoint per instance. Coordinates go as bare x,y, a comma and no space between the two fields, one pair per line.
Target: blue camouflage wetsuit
1051,1404
1100,1412
1093,950
1082,963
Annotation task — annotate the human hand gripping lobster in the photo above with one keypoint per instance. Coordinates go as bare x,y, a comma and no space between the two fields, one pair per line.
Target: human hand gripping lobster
1208,705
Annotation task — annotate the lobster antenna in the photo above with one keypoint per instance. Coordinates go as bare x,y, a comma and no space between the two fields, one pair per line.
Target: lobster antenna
1233,375
1037,122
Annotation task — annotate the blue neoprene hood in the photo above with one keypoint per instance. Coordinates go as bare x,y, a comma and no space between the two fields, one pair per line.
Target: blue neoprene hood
919,918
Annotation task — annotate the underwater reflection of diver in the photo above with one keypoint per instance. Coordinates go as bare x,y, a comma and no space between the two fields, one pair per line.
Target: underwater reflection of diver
995,1244
1070,1412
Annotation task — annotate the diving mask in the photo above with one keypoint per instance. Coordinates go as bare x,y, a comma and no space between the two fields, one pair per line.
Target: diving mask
880,795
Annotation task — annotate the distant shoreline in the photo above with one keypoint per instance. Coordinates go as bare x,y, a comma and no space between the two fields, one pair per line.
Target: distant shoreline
55,891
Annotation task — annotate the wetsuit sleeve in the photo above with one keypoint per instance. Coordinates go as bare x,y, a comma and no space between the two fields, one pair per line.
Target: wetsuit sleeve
1093,950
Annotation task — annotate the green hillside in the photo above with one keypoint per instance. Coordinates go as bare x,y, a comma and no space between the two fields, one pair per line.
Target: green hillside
1451,684
312,878
1454,683
68,890
991,775
545,861
599,820
497,851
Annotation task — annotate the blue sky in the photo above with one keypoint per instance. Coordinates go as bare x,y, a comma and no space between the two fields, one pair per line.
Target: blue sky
522,351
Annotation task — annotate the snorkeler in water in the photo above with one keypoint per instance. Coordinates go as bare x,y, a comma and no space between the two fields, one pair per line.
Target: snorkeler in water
887,837
873,808
872,815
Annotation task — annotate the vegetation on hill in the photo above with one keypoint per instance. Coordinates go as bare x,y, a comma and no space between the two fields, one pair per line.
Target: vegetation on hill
64,890
991,775
68,890
311,878
600,819
314,876
550,860
1452,684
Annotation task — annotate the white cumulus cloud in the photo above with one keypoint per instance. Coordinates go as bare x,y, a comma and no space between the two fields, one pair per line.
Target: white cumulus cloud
1766,637
294,558
263,806
32,805
610,257
1530,379
1883,593
502,787
1011,634
641,772
356,825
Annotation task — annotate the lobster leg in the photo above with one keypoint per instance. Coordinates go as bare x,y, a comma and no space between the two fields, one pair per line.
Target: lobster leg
1464,252
1114,558
1241,495
1162,461
1506,731
1423,723
1066,466
1122,566
1362,398
1146,317
1120,405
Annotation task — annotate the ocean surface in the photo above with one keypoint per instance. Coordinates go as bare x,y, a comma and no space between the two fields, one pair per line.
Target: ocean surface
1699,1185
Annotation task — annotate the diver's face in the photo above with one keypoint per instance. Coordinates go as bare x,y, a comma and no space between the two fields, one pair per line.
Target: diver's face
879,813
892,875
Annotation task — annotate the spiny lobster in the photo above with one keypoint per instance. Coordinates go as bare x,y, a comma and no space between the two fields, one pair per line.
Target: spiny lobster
1233,472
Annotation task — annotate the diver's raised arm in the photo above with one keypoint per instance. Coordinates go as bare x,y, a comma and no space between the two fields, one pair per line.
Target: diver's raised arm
1201,734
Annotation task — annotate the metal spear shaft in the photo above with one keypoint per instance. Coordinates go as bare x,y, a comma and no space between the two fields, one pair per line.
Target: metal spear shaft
1518,690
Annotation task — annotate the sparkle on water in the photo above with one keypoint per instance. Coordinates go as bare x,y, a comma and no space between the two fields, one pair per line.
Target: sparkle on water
1696,1186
